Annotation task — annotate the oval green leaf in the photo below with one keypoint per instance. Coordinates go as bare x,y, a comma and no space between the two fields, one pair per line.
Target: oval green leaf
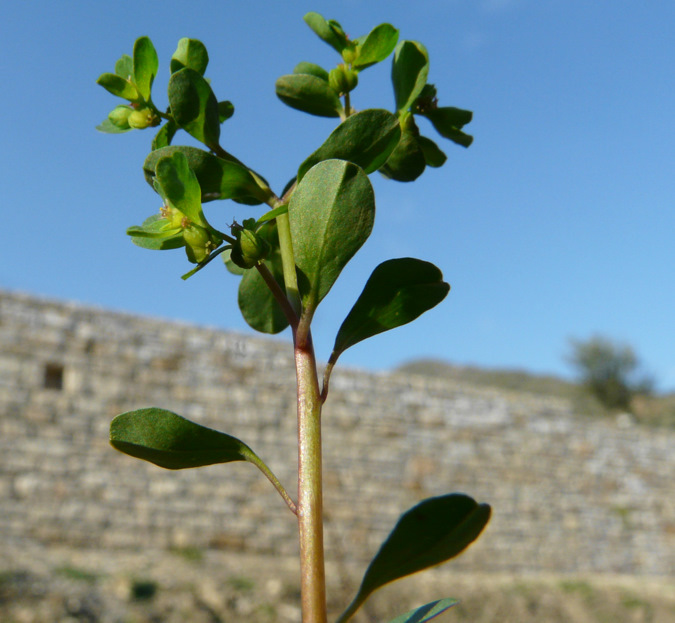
366,139
449,121
433,155
407,162
145,64
170,441
377,45
331,215
312,69
108,127
124,67
152,235
218,178
190,53
257,303
225,110
180,187
194,106
409,73
165,135
397,292
121,87
328,31
308,93
435,530
426,612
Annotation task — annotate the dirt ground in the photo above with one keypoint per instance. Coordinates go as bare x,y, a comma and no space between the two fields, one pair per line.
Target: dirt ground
211,587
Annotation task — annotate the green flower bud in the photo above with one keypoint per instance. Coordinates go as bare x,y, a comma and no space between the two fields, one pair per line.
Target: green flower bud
350,54
249,249
342,79
143,118
119,116
199,242
427,101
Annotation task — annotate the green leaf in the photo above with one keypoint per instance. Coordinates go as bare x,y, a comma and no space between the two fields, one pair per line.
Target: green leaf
170,441
165,135
329,31
448,122
218,178
124,67
310,94
257,303
311,69
194,106
426,612
190,53
409,73
272,214
433,155
258,306
121,87
109,127
397,292
378,44
230,265
225,110
435,530
407,162
152,234
180,186
366,138
331,215
145,64
448,117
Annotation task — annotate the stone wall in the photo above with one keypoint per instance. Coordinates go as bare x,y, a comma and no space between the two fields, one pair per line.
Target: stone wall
569,495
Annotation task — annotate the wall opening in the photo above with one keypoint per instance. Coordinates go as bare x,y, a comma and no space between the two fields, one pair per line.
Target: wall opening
53,378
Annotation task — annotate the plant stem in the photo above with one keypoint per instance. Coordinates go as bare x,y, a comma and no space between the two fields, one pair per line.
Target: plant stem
288,261
279,295
348,107
310,497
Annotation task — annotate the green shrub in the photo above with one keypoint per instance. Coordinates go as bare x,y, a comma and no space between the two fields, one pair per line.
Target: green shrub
609,370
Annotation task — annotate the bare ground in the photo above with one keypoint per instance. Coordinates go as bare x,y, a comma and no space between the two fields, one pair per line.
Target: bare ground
212,587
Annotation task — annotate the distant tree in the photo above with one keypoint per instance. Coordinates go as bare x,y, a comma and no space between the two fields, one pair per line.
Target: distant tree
609,370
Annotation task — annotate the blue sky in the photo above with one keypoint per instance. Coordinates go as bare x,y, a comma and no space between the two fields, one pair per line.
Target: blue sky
557,222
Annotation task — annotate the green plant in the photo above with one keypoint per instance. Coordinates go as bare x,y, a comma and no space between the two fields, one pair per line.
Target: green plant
73,573
609,371
289,258
143,590
193,554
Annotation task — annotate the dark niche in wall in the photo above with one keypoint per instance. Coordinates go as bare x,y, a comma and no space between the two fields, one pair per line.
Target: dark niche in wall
53,378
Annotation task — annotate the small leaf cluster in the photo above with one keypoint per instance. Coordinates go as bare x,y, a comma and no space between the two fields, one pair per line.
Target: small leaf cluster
184,177
314,90
289,258
132,81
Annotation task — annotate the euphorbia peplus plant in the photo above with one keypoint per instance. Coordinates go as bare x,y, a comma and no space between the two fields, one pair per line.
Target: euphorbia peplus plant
290,257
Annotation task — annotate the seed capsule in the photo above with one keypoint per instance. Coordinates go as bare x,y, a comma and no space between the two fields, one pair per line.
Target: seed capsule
199,242
141,119
342,79
250,249
119,116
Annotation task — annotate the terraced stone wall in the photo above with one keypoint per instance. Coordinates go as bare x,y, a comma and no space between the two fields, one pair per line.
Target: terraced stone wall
569,495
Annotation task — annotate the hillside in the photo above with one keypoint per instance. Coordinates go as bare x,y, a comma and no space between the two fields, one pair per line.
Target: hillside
654,410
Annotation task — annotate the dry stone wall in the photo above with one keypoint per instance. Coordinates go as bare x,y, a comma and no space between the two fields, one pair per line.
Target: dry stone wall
569,495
